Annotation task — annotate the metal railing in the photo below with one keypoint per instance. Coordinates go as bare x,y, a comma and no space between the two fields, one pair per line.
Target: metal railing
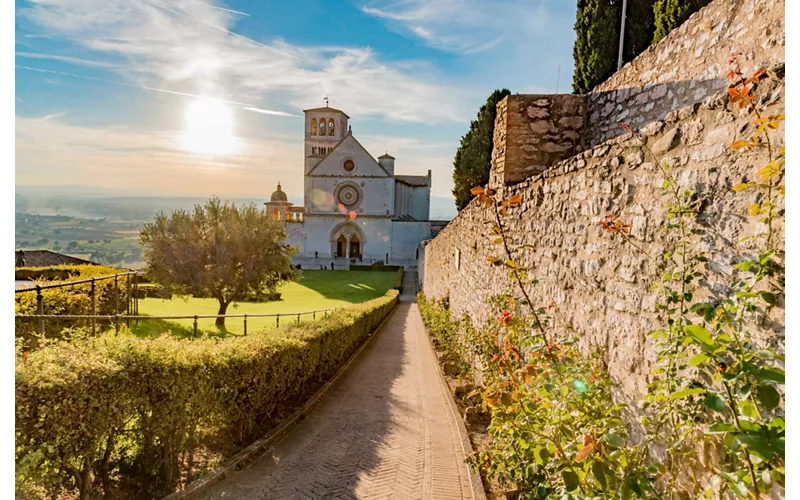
132,306
131,300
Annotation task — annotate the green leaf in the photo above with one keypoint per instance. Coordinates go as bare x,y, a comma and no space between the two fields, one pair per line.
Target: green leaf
771,374
735,485
599,474
570,480
715,402
700,334
768,396
699,359
757,445
542,455
721,428
689,391
614,440
769,298
748,409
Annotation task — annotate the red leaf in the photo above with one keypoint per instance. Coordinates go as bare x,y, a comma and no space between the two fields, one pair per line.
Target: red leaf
585,451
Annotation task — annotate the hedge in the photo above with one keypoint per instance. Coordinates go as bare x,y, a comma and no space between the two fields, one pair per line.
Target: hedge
75,299
100,414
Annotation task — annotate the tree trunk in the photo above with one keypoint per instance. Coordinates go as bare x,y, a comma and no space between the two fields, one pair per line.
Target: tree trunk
223,308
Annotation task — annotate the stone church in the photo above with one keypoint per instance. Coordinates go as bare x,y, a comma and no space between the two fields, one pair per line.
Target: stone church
355,206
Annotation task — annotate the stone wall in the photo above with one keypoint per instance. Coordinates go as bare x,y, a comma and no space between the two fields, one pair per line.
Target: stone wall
533,132
601,285
688,65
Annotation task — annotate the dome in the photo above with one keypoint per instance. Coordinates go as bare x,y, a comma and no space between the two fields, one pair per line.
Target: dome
279,195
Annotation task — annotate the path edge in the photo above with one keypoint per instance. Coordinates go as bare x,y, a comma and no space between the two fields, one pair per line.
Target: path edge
475,482
243,458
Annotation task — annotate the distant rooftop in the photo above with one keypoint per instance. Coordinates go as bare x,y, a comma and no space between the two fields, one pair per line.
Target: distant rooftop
412,180
46,258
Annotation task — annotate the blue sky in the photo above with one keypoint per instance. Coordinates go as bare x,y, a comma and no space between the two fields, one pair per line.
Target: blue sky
197,97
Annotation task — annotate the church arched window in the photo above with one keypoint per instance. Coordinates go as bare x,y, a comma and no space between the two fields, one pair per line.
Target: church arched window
313,126
276,215
330,126
322,126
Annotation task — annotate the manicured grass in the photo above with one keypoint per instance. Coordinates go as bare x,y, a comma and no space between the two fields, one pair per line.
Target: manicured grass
315,290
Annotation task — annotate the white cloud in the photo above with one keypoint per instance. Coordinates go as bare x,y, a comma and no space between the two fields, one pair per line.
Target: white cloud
154,161
185,46
462,26
73,60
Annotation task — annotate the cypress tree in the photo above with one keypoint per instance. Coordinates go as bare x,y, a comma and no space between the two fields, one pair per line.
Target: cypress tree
596,43
639,27
474,156
669,14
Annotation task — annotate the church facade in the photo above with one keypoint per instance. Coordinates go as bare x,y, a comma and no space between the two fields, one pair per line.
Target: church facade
355,206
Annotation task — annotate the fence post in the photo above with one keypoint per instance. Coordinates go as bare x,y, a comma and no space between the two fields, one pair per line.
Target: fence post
116,324
245,325
314,315
116,295
128,299
298,317
94,307
40,308
195,326
278,319
136,296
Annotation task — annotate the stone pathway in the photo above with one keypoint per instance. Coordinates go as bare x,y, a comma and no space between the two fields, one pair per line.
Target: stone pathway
384,430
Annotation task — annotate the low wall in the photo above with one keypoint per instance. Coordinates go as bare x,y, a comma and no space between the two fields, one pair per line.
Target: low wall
601,285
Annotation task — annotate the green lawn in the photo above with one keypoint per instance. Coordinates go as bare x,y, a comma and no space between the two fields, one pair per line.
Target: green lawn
315,290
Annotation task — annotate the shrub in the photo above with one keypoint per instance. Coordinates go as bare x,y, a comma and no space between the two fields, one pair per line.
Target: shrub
95,408
71,300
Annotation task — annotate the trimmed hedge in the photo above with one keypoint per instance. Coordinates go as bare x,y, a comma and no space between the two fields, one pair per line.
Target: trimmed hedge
75,299
93,409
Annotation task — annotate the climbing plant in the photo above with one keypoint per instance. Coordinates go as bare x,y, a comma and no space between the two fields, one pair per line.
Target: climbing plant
716,387
713,380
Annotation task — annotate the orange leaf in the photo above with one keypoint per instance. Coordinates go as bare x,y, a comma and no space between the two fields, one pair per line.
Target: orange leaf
738,144
515,200
476,190
584,452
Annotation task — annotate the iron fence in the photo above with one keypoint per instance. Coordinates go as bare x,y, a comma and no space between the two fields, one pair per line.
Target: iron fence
131,299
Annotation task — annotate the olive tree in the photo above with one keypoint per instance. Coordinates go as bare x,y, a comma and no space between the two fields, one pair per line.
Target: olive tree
219,250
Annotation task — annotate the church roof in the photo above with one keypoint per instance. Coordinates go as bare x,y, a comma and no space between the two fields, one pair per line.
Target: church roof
412,180
279,195
327,109
386,156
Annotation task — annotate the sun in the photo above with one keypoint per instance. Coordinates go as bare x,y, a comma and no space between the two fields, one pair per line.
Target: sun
209,128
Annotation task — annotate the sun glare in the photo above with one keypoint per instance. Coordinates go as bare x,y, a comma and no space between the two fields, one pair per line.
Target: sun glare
209,128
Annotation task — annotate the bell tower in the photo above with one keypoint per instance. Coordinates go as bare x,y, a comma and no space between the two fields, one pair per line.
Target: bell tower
324,128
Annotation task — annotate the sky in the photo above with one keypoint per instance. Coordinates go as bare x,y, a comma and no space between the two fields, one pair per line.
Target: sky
197,97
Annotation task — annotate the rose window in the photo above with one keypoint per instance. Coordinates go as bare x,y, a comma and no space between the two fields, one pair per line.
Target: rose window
348,195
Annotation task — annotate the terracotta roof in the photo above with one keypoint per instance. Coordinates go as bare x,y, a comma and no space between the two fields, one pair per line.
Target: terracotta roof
327,110
412,180
46,258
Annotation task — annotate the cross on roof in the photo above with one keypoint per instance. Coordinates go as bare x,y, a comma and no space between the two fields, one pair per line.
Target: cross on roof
326,101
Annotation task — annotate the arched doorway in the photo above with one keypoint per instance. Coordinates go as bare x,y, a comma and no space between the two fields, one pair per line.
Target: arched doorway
355,247
347,240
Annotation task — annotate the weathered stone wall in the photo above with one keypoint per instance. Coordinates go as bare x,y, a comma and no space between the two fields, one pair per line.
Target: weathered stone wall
601,285
688,65
533,133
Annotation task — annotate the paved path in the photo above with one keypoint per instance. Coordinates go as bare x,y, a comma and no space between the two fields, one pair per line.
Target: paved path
384,430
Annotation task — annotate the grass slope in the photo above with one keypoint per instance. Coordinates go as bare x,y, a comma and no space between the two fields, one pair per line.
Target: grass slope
315,290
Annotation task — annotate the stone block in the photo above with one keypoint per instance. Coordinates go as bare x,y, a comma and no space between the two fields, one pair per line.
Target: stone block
667,142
